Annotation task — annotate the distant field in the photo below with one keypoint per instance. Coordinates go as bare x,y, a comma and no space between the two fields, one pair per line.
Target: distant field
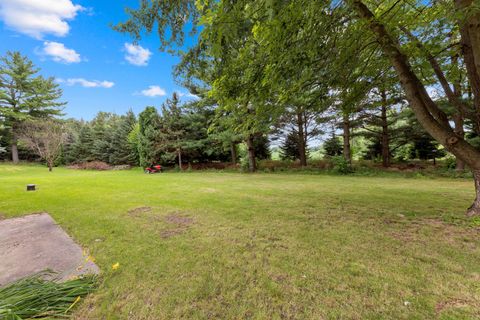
217,245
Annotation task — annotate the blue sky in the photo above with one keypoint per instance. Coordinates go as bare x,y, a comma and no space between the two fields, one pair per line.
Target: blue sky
97,67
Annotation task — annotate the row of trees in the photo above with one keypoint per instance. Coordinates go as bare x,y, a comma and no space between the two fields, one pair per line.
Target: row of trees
289,65
29,110
193,132
257,62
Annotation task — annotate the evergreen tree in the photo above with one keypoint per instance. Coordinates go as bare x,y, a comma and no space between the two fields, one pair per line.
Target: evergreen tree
425,148
23,95
289,149
148,133
172,132
333,146
262,147
102,130
121,150
81,150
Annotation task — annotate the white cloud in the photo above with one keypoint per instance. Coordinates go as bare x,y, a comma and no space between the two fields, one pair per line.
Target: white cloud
187,95
153,91
37,18
86,83
59,53
137,55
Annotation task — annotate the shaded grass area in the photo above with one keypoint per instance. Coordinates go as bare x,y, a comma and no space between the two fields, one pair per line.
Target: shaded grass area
205,245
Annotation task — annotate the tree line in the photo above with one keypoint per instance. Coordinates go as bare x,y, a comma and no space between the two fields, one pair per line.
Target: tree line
257,60
175,134
181,133
396,72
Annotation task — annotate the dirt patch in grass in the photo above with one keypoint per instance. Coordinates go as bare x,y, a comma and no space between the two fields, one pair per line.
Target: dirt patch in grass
180,223
454,303
139,210
169,225
165,234
179,219
420,229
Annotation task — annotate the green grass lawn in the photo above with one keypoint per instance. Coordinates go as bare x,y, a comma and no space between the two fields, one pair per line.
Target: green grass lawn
217,245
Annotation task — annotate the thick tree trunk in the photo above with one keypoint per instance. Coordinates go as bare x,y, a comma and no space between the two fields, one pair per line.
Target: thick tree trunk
347,154
385,133
426,111
475,207
459,121
470,44
301,140
233,152
252,162
50,166
459,116
14,146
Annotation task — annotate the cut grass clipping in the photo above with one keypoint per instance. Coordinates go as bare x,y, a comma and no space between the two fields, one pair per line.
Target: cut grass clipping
35,297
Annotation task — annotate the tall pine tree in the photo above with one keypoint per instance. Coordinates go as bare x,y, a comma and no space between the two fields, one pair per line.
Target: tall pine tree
23,95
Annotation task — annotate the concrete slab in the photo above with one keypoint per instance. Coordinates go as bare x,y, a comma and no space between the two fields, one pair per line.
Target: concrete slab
34,243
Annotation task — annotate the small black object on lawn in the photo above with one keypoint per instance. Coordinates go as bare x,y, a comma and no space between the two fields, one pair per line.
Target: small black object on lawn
30,187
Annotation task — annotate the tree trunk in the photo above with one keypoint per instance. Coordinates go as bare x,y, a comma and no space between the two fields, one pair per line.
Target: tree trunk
252,163
459,116
179,158
426,111
474,209
14,145
233,152
346,139
470,44
301,140
385,133
50,165
459,121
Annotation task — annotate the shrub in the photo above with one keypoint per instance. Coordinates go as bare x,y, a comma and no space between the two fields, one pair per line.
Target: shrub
92,165
450,162
341,165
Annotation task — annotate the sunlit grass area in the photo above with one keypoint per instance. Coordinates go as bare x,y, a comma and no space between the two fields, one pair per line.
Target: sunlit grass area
218,245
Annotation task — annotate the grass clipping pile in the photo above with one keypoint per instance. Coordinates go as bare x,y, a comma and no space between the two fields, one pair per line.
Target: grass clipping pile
35,297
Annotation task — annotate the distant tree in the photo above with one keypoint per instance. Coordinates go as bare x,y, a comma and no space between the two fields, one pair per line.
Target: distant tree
199,143
172,130
121,150
262,147
81,150
44,137
333,146
103,127
289,149
304,124
133,140
425,148
25,96
148,132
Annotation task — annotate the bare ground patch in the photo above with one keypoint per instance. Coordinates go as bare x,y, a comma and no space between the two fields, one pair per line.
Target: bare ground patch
172,224
139,210
180,224
455,303
179,219
419,229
